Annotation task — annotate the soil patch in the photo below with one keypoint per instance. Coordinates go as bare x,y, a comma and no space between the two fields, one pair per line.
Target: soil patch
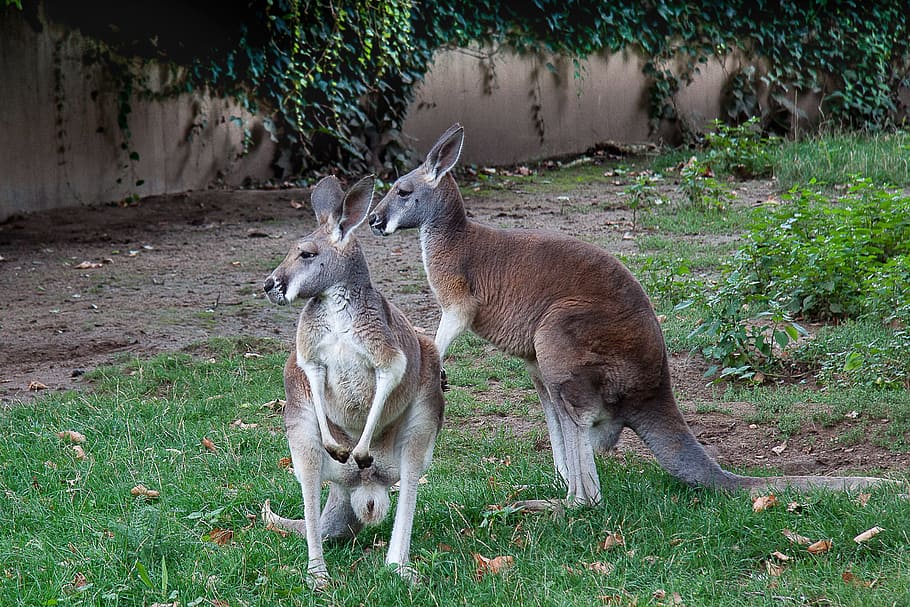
95,285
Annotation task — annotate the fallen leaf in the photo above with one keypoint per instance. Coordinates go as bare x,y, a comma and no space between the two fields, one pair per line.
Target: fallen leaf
252,355
802,540
296,204
677,599
773,569
612,539
89,265
763,502
73,436
659,594
623,600
600,567
79,451
142,490
208,444
239,423
221,537
780,556
794,507
34,386
496,565
863,498
852,579
867,535
852,414
79,581
444,547
220,603
819,547
284,463
779,449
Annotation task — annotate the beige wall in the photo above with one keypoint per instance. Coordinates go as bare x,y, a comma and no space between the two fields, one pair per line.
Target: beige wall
608,102
60,143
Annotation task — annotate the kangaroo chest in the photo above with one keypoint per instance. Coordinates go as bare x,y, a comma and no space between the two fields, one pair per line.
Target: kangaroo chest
350,379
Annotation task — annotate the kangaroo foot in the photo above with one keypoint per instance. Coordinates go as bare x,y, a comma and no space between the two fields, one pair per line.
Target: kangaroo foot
443,379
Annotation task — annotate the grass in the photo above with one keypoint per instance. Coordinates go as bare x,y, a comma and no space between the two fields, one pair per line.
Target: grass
71,533
831,159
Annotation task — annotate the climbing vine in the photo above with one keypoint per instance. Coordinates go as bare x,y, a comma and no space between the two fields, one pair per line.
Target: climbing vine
339,76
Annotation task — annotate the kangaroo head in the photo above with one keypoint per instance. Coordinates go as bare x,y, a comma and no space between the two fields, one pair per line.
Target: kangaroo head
417,197
330,255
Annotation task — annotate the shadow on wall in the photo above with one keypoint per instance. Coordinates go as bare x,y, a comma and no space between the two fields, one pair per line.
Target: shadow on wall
64,143
517,108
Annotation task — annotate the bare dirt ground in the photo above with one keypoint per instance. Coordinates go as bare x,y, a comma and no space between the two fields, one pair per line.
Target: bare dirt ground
173,271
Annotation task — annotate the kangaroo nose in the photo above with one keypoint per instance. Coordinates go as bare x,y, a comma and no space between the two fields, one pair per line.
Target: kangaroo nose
269,284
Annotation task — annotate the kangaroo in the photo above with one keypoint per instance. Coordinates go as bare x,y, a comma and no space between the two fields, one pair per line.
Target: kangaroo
577,317
360,375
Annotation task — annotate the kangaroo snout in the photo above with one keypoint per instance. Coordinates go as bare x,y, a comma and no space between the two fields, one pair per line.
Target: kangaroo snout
274,291
377,224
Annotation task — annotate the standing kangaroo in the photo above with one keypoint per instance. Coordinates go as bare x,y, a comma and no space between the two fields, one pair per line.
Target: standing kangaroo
576,316
359,375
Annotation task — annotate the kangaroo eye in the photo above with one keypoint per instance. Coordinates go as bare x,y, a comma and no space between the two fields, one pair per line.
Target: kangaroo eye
404,192
307,255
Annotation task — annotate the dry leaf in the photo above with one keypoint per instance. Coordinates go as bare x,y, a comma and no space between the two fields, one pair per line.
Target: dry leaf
773,569
273,527
208,444
73,436
296,204
239,423
142,490
34,386
444,547
612,539
763,502
220,603
677,599
600,567
496,565
867,535
780,556
623,600
819,547
88,265
284,463
779,449
853,580
79,581
794,507
802,540
863,499
222,537
79,451
659,594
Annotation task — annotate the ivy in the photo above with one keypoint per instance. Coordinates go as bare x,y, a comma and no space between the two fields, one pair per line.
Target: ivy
338,77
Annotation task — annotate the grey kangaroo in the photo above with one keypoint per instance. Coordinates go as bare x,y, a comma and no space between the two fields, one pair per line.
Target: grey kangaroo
364,398
576,316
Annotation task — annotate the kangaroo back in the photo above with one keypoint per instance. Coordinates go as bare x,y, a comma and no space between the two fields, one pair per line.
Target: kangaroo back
575,314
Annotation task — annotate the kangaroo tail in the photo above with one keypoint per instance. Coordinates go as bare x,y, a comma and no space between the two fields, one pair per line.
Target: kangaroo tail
664,430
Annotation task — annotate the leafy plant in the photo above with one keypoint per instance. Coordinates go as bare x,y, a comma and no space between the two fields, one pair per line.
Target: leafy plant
641,194
740,150
701,188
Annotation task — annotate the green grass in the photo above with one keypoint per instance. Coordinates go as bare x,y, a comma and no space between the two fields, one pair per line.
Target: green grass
831,159
62,518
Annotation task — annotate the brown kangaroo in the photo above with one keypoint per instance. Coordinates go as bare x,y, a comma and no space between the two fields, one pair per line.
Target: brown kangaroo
359,375
577,317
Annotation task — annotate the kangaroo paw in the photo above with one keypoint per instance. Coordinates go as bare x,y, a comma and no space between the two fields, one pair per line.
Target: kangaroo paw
338,453
443,379
363,461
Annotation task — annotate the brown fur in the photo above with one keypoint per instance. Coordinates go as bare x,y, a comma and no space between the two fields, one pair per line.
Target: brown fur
577,317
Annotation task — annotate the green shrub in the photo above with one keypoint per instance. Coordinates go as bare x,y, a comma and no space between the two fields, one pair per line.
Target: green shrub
822,259
741,150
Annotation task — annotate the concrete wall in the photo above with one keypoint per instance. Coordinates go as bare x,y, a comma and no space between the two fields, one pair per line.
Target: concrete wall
61,144
608,102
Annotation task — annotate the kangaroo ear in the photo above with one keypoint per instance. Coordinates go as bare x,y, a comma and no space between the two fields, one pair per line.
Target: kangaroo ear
444,154
356,206
326,199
